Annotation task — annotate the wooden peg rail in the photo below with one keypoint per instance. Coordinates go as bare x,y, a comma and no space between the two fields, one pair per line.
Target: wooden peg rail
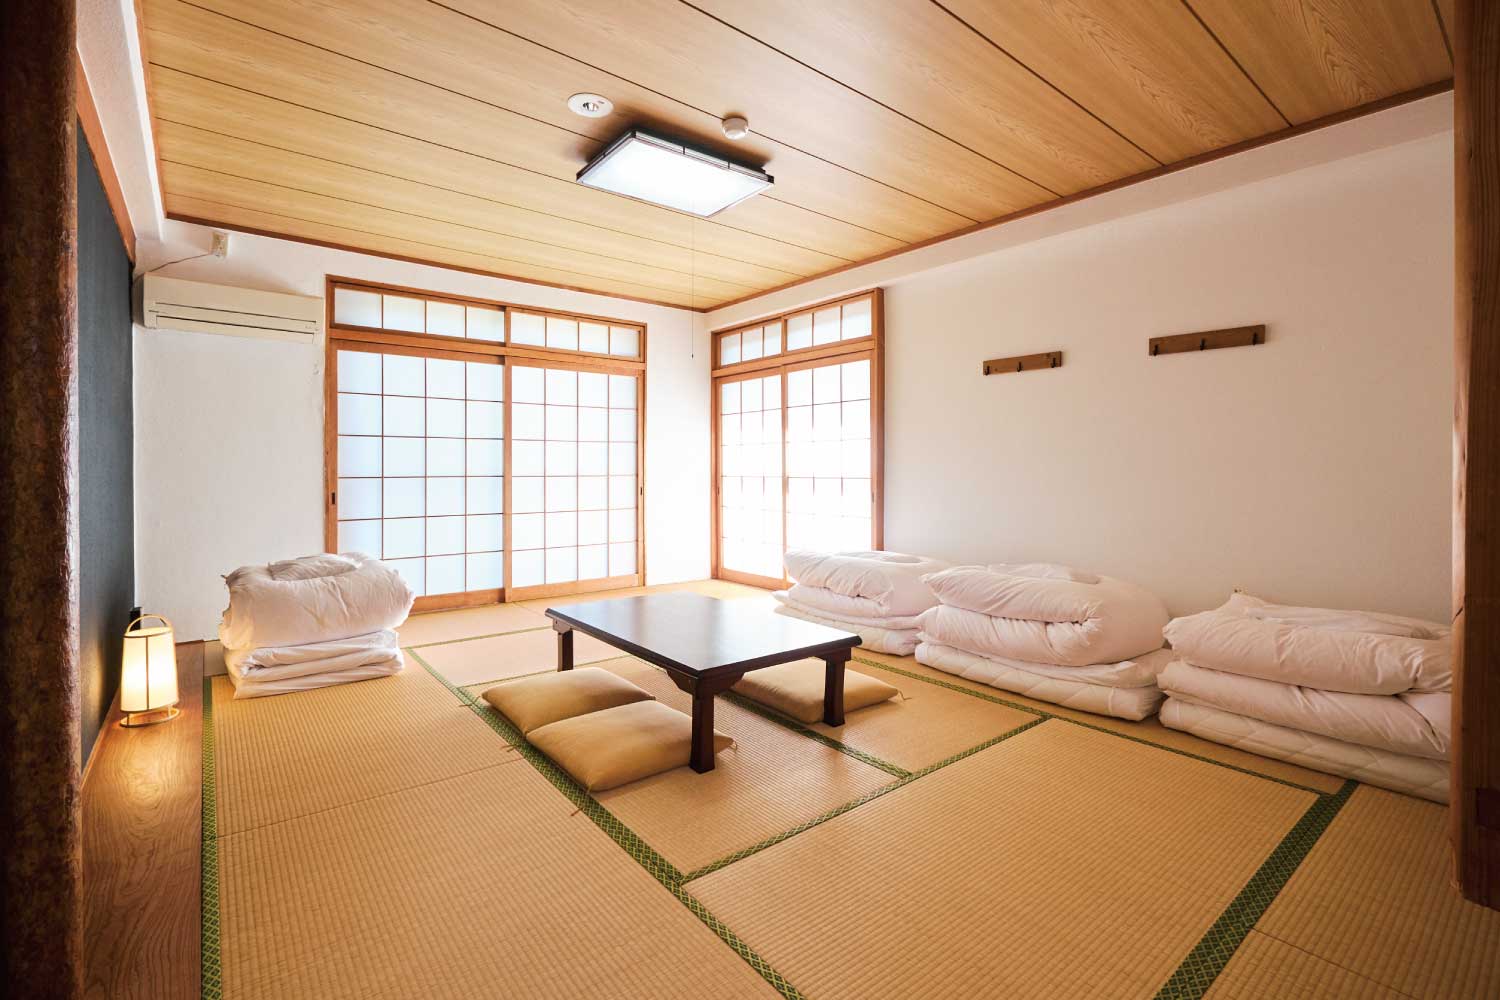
1023,363
1209,340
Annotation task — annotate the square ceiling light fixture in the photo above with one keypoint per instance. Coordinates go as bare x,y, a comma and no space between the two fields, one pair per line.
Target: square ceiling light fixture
649,168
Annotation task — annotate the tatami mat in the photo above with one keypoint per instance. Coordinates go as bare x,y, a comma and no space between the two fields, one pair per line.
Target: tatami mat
929,725
293,754
466,623
1150,730
475,661
771,781
1264,967
484,886
1060,862
1375,896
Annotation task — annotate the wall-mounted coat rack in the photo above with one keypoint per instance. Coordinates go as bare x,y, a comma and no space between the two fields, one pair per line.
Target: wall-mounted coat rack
1023,363
1209,340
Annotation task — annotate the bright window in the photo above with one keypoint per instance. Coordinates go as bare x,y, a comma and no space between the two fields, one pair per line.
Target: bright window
797,441
504,465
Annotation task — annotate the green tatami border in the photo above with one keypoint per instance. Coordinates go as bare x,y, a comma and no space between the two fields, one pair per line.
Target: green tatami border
1192,978
1217,946
869,796
787,722
1043,713
211,975
476,638
660,868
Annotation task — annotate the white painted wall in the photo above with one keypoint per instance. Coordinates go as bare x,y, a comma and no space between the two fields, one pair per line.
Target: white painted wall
229,430
1314,469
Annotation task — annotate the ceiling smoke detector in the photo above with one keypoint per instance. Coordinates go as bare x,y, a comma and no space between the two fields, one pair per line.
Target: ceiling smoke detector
736,127
590,105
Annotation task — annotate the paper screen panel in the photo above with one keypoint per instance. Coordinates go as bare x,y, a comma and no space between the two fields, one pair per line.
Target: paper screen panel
574,476
828,457
750,480
421,456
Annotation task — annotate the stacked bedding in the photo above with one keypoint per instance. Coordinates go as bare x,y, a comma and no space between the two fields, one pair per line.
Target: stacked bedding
1048,632
875,594
310,622
1357,694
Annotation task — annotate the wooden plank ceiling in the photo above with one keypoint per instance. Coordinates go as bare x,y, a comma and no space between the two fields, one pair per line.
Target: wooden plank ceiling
439,131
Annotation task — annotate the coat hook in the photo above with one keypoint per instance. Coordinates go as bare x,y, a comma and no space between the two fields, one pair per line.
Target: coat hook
1208,340
1023,363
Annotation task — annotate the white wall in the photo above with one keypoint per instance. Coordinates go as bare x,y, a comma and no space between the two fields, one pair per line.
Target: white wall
1314,469
229,430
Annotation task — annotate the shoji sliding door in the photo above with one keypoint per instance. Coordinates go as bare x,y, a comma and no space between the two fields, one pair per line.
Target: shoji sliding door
575,494
487,452
797,437
421,465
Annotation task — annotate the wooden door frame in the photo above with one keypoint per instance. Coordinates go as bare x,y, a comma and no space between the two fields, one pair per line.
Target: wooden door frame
1475,808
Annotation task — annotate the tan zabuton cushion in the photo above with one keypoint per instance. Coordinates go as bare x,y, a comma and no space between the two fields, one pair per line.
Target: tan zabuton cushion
547,698
619,745
796,689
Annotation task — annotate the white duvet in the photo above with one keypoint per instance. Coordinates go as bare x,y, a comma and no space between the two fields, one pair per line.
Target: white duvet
889,583
1126,690
261,686
858,610
1420,776
1051,614
312,599
1352,652
897,642
281,662
1413,724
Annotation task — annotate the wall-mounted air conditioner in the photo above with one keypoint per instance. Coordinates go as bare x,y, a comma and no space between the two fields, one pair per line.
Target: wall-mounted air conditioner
199,307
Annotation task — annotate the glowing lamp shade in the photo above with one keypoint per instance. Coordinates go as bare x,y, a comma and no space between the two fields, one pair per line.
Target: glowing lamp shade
148,674
648,168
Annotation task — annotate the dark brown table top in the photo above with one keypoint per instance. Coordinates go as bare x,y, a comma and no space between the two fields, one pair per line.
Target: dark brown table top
702,636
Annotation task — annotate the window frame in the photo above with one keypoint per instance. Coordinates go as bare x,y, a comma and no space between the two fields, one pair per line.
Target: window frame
381,341
817,356
877,309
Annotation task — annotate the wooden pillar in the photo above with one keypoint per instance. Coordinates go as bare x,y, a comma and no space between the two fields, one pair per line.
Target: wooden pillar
1476,442
40,864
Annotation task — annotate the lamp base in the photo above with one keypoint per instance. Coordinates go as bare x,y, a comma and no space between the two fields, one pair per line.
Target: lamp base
133,720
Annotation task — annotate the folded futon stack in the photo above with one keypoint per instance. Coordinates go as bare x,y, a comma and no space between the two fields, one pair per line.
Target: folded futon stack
1353,693
311,622
876,594
1049,632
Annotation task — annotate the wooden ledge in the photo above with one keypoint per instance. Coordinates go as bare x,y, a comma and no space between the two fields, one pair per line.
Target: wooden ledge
142,851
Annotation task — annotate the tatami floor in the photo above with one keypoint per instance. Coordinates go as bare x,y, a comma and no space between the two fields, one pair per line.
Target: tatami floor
396,838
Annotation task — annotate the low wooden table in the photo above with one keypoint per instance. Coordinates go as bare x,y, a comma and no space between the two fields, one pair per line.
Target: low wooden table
706,645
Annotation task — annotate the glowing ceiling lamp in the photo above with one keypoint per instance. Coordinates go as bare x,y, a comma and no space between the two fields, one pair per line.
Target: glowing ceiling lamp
648,168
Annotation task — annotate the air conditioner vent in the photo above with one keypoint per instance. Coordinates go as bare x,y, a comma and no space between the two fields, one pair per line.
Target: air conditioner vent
199,307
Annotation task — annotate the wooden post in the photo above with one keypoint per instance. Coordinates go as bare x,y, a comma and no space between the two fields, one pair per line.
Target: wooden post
40,863
1476,442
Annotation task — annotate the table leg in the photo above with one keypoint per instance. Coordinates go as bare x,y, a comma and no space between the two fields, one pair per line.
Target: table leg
564,646
833,687
702,758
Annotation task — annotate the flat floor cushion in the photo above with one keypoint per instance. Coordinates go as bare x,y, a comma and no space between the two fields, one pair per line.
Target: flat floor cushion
607,749
539,701
796,689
